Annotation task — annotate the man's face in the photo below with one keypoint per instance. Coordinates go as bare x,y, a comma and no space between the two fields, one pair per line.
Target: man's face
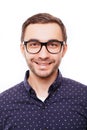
43,64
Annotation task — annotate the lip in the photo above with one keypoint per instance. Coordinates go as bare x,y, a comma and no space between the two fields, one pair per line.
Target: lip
43,63
43,66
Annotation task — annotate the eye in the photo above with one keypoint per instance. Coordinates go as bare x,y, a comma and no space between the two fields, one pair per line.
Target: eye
53,44
33,44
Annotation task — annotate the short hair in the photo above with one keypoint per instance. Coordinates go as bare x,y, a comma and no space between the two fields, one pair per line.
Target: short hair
43,18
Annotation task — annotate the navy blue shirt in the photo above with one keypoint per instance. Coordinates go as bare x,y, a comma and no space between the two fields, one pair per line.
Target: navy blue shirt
64,109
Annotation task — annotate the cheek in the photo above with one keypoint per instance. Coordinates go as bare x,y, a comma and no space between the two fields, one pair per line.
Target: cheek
58,56
29,58
58,59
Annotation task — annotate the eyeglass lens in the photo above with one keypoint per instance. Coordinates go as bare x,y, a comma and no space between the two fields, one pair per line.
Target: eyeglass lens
35,46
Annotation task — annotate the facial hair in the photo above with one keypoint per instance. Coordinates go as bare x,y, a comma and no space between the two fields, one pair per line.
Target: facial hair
43,73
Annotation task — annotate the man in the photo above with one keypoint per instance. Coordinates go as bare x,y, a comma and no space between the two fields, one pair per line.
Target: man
45,100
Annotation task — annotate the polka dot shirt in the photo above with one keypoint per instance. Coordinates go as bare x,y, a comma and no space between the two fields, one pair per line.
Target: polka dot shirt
64,109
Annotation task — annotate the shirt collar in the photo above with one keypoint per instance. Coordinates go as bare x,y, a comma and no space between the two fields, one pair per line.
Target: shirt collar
26,84
55,85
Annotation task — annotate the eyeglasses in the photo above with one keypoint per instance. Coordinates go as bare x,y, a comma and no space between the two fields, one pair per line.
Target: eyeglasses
34,46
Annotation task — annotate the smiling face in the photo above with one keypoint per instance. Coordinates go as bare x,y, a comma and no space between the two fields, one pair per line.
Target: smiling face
43,64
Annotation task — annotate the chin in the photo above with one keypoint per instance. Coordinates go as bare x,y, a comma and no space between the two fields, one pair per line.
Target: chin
44,74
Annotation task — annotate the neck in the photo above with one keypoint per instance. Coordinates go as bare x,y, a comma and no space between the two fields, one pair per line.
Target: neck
41,85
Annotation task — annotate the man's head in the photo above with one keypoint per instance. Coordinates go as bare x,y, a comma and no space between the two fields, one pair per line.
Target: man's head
43,44
43,18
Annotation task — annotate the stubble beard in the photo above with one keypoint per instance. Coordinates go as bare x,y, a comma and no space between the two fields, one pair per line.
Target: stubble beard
44,74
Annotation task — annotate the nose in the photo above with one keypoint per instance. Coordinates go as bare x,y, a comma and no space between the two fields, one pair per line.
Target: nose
43,52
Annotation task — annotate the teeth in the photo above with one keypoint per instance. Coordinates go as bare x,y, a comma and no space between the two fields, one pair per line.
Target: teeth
43,63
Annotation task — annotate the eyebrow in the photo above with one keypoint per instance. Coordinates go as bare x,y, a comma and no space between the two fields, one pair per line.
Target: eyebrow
26,41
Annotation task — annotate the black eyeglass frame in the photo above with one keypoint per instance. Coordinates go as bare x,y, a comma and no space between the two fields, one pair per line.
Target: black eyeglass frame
44,44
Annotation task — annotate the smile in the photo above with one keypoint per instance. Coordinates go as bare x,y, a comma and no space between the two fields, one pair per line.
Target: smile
43,62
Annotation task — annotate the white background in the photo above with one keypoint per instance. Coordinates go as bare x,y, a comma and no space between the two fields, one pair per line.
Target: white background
14,12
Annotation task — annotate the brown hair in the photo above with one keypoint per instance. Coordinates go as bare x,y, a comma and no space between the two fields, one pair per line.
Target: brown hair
43,18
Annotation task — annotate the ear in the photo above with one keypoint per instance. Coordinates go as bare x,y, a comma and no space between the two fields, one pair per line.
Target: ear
64,49
22,48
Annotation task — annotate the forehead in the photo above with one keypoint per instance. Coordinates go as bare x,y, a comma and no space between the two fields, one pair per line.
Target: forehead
43,31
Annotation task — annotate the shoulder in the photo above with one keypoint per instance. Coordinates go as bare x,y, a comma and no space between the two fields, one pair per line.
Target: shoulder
12,93
12,89
74,87
73,83
10,100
